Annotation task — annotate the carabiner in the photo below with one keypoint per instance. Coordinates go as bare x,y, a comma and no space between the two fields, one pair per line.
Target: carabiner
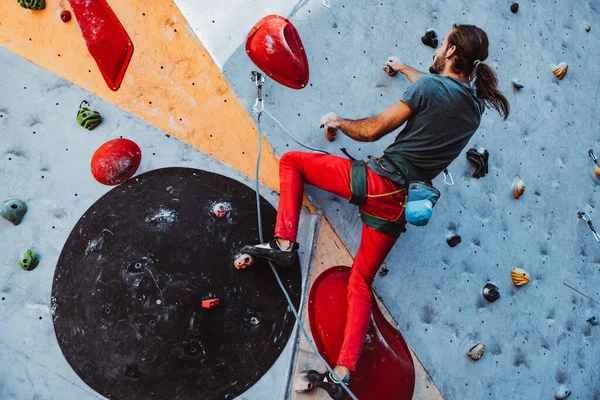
259,80
593,156
448,175
586,218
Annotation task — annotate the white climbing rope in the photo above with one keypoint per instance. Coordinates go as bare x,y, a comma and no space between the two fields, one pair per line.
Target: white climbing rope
259,82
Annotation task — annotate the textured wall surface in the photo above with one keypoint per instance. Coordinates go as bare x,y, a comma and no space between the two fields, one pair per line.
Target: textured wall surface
44,160
536,336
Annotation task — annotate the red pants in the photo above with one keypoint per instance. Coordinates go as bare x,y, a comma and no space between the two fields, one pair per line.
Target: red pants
385,200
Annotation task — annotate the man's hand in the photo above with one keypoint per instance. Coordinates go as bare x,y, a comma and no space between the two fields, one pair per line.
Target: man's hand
330,120
393,65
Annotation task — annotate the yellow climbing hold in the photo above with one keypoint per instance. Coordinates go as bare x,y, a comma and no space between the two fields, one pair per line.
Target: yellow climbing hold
520,277
561,70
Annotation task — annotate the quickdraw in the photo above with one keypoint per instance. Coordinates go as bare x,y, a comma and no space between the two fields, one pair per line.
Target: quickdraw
582,215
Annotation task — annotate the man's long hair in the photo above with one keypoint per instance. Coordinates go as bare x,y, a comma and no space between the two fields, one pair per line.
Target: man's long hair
472,44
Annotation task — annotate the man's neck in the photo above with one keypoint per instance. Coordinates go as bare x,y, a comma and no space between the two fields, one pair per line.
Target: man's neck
460,77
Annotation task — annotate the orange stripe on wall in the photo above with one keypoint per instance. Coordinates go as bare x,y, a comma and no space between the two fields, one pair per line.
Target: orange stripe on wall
171,82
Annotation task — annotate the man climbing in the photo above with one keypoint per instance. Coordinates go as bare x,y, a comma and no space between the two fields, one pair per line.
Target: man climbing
442,111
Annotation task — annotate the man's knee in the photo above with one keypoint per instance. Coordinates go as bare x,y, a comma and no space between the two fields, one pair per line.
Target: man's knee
290,157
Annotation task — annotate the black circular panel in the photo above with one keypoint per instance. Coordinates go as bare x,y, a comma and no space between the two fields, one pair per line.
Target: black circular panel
129,284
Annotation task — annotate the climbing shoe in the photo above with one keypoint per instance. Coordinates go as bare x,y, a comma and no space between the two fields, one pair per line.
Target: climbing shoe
273,252
308,380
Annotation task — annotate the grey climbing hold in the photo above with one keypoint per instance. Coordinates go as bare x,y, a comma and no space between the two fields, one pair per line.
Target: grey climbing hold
13,210
490,292
514,7
517,84
562,392
593,319
430,39
454,240
28,260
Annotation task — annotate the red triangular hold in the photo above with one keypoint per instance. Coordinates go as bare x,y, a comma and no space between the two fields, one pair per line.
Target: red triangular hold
106,39
275,47
385,369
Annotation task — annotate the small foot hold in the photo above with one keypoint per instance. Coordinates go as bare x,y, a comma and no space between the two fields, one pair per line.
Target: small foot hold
331,134
28,260
389,70
243,261
220,210
13,210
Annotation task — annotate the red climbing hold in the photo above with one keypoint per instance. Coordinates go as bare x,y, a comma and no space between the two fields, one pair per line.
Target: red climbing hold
275,47
116,161
385,369
210,303
221,209
65,16
106,39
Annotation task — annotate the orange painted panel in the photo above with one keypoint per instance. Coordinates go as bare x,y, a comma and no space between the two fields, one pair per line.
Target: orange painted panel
171,81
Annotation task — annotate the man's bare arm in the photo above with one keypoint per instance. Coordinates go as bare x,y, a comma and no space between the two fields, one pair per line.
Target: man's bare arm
410,73
370,129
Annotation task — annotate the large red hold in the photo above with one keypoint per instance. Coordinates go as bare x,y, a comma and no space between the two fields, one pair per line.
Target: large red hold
116,161
275,47
385,369
106,39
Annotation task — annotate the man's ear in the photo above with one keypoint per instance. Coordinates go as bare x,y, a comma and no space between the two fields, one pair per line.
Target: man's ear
450,51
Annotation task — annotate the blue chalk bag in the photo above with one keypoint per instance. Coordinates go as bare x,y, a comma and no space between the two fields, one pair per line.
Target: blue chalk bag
421,199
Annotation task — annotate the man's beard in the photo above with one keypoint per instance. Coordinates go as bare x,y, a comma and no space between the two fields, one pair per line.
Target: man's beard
438,65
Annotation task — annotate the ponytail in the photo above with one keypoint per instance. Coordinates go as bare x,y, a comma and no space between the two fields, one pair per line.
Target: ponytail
471,49
486,89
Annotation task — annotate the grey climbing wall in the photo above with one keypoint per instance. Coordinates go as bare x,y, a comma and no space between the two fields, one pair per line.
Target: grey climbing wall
536,336
45,160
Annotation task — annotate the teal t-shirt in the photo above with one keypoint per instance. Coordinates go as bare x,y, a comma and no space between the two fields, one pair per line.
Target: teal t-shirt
445,115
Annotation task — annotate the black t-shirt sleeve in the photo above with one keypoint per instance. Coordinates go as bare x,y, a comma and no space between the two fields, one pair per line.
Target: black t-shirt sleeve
416,95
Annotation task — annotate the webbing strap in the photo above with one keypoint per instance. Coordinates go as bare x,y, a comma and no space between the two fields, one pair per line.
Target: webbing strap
358,183
382,225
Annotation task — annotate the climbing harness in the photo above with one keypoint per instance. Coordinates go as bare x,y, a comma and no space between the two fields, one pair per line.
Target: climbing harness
259,79
582,215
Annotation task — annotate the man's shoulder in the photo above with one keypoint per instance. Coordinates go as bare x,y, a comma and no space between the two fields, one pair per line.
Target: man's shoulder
430,82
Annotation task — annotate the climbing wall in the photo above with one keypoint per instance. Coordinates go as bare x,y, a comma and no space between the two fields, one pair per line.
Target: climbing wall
536,336
45,161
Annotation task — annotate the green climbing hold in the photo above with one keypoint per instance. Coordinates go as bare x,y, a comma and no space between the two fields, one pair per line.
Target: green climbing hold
13,211
87,117
28,260
32,4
